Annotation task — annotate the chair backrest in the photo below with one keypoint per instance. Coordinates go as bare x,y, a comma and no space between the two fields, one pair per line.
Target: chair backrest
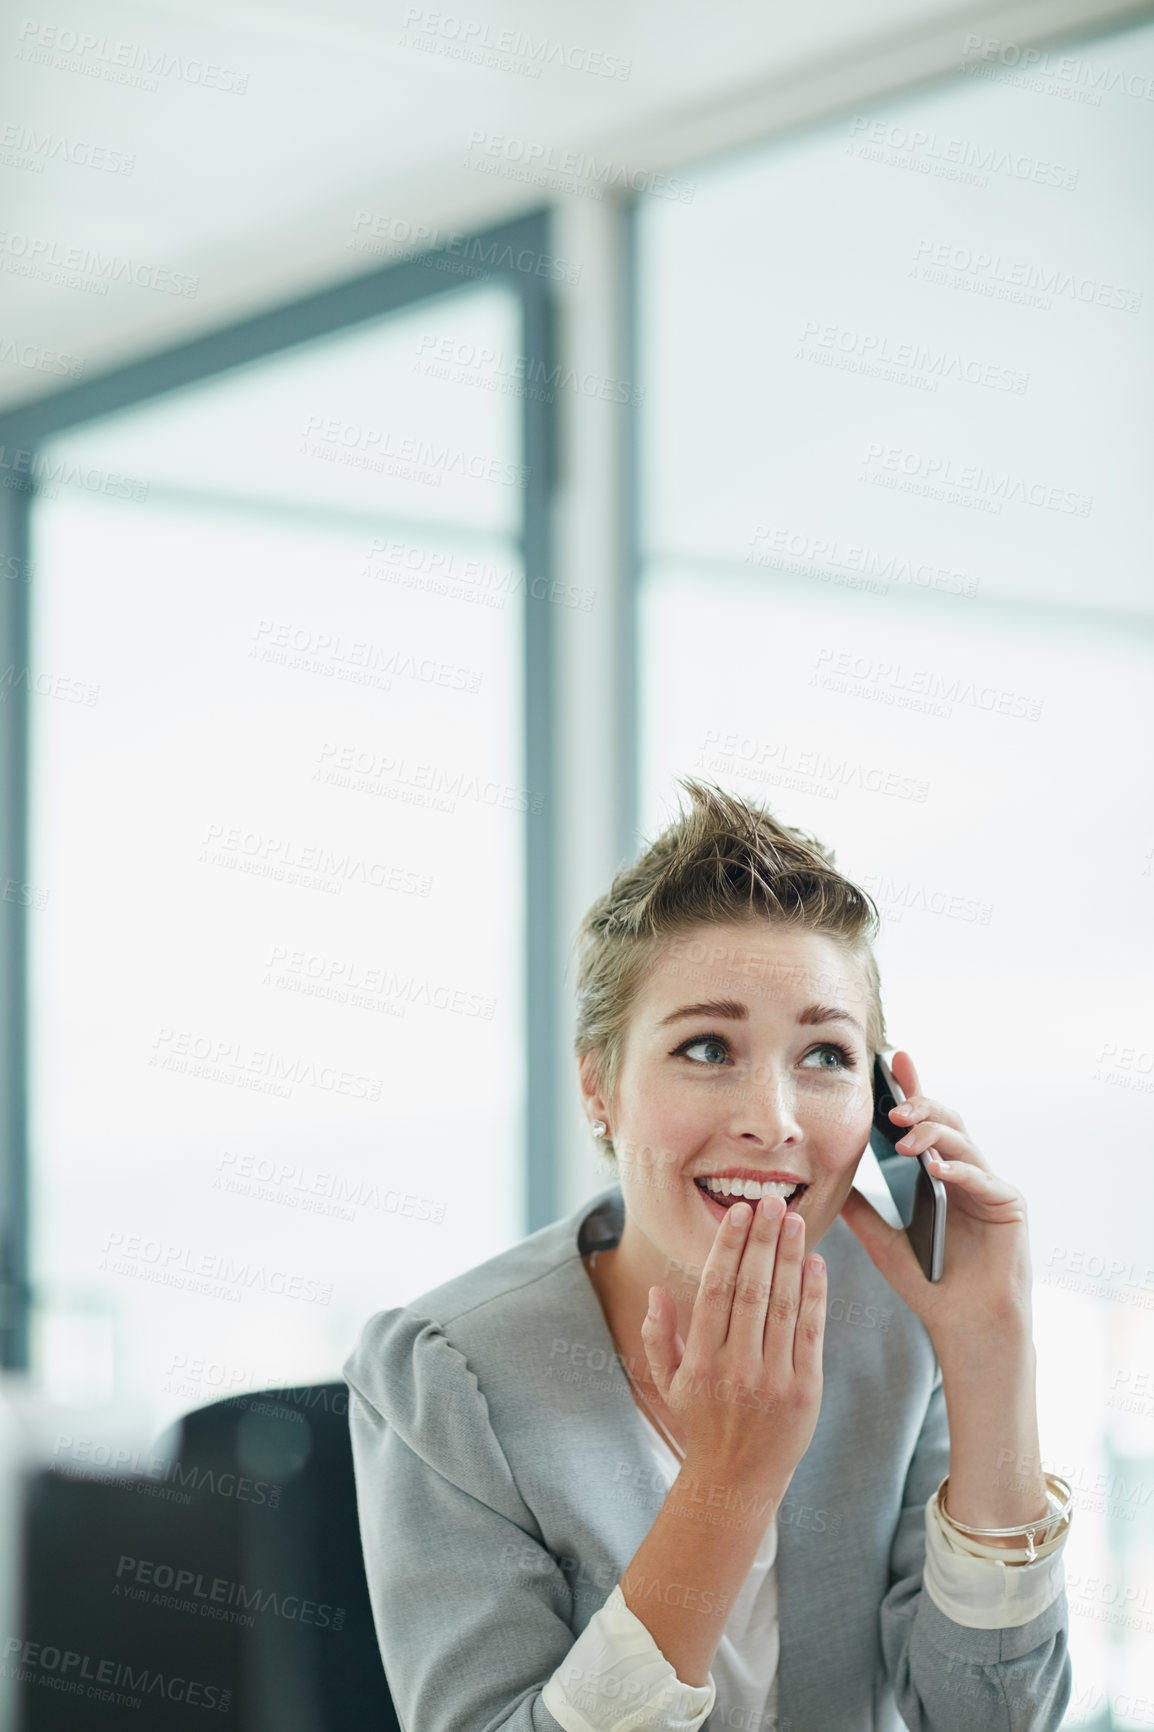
228,1574
313,1638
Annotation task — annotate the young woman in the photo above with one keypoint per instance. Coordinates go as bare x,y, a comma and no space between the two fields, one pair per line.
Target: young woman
662,1464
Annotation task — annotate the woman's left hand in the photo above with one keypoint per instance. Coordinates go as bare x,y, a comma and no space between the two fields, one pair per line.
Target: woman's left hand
986,1279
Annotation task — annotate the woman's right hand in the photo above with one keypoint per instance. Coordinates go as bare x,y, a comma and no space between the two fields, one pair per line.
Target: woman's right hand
746,1385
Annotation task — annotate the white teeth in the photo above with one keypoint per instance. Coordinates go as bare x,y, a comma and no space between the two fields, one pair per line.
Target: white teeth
751,1188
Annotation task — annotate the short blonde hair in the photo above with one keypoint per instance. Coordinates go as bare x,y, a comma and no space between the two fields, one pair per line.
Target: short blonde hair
727,859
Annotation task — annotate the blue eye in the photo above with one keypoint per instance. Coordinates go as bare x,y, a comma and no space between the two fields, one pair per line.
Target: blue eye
709,1041
845,1059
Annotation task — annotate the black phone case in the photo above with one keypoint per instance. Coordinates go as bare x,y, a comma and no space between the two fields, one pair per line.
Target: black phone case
903,1176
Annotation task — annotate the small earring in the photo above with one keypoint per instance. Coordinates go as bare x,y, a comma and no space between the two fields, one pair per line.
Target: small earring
599,1127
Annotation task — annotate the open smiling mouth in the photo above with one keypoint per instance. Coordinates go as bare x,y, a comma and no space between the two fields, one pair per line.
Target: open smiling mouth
713,1193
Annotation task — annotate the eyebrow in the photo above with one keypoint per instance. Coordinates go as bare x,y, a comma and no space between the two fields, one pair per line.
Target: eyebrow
729,1007
830,1013
738,1012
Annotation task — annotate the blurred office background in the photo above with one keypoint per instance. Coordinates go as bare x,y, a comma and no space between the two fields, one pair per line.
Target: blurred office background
425,436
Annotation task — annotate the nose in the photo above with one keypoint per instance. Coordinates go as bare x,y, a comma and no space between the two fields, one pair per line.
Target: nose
765,1110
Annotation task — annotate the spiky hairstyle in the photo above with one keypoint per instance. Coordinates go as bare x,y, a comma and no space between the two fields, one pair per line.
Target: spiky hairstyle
727,860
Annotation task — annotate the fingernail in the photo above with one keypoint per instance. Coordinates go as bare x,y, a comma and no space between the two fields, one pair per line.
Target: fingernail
653,1312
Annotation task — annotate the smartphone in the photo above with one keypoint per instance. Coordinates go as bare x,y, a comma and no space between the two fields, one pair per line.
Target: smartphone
919,1196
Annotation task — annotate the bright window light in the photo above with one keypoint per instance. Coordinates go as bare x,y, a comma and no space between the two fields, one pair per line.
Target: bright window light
277,1019
897,522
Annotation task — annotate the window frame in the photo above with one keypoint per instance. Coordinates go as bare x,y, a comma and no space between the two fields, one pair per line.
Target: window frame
395,288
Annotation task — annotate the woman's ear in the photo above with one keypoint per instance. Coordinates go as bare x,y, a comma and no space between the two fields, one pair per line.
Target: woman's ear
594,1100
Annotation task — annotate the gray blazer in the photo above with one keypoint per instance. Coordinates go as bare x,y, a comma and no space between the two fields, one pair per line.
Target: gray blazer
505,1479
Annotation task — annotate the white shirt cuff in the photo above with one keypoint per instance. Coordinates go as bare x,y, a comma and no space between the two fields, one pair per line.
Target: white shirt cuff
982,1593
616,1679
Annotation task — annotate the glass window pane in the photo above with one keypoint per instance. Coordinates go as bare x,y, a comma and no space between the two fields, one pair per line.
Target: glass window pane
277,1011
896,530
905,376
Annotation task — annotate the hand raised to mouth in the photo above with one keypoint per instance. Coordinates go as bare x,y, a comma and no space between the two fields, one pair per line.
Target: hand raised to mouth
746,1385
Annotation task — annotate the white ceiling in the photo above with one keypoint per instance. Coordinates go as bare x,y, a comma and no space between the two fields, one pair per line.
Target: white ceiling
366,107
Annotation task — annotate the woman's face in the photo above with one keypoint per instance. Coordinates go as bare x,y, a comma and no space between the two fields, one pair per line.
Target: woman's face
745,1057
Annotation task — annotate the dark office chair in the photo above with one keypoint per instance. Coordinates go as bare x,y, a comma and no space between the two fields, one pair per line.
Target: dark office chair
308,1546
232,1564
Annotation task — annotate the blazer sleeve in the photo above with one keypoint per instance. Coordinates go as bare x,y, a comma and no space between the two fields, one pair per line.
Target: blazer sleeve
470,1607
950,1677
